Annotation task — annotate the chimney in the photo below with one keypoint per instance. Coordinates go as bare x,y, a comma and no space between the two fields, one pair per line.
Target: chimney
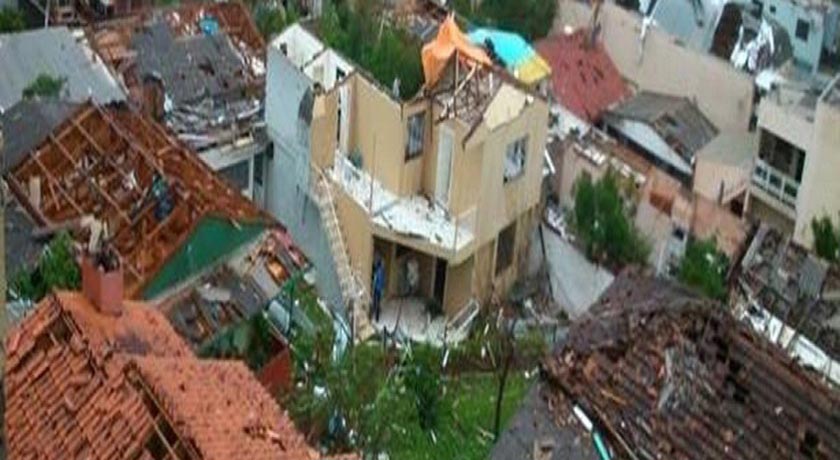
102,281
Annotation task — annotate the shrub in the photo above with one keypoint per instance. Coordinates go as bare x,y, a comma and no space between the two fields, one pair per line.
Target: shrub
704,267
601,220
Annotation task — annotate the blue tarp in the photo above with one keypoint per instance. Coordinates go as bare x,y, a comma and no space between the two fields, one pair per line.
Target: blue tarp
511,48
208,25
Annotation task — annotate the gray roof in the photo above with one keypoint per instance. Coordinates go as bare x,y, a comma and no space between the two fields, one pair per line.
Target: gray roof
676,119
22,250
191,67
28,123
56,52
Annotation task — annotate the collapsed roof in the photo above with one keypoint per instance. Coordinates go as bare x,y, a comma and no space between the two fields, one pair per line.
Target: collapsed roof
795,286
665,374
123,169
201,67
677,120
80,383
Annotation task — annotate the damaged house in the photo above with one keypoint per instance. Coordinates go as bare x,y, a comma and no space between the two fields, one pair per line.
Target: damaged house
792,297
793,178
670,130
441,187
168,217
92,376
755,34
200,70
656,372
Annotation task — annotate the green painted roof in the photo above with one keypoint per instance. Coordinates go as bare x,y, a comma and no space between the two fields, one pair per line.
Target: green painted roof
212,240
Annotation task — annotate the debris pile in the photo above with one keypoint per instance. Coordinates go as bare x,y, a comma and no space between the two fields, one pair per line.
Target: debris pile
664,374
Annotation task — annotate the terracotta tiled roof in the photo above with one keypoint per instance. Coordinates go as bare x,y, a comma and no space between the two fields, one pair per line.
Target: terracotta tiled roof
584,79
82,384
66,393
223,424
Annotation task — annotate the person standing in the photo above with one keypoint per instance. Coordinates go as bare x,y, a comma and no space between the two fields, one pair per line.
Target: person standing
378,287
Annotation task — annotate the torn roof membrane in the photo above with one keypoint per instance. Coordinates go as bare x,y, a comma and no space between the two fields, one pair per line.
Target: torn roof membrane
123,169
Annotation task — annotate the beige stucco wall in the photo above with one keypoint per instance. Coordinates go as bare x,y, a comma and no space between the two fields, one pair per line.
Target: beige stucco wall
358,238
723,93
377,132
786,122
820,189
322,133
458,286
498,203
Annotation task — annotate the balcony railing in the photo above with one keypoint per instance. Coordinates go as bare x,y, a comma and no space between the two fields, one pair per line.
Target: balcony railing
776,183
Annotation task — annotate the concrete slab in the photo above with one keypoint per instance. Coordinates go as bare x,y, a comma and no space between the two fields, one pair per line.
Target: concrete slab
576,282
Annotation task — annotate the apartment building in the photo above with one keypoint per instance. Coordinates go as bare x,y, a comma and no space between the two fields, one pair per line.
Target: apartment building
441,187
793,180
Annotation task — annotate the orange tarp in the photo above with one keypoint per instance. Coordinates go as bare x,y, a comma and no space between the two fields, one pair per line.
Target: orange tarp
449,40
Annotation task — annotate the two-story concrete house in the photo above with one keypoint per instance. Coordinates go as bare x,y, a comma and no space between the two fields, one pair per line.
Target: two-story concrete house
441,187
794,180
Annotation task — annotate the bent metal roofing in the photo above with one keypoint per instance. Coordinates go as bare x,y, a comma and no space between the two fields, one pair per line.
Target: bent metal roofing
126,171
83,384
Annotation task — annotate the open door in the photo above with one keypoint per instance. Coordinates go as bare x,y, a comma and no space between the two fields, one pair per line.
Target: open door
446,144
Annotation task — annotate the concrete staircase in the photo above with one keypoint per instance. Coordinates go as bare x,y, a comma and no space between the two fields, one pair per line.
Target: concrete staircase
353,290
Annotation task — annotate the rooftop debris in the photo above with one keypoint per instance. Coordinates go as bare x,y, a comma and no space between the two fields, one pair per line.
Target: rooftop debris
664,374
126,171
781,279
199,67
84,383
236,290
584,79
676,120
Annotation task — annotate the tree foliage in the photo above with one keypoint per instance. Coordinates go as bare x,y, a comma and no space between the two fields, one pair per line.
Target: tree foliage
602,222
704,267
826,238
44,86
56,269
532,19
386,52
11,20
271,20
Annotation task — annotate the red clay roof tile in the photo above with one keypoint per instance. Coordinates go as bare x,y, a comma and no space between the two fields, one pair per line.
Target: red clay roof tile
584,79
82,384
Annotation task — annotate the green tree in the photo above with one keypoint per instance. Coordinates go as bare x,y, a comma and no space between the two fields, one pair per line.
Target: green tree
271,20
532,19
602,222
11,20
45,86
56,269
386,52
704,267
826,238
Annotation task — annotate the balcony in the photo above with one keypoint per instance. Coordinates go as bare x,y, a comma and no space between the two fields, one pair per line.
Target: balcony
776,183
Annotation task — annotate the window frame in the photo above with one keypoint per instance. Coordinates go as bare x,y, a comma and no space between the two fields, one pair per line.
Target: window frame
803,30
415,141
521,143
